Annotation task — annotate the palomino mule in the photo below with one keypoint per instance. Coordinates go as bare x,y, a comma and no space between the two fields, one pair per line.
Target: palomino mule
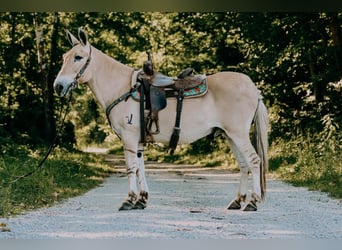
231,104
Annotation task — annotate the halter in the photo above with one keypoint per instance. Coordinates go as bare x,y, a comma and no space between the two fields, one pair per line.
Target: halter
74,83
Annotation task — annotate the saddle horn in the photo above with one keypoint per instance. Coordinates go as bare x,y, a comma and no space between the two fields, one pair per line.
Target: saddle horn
148,65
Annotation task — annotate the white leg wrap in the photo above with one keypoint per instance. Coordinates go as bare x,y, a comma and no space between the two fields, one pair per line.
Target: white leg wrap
141,173
255,169
243,187
132,168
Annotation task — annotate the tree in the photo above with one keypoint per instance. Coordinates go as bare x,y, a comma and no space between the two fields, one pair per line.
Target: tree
45,72
29,50
294,58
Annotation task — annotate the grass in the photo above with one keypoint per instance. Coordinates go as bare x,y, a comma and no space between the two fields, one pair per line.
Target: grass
309,163
65,174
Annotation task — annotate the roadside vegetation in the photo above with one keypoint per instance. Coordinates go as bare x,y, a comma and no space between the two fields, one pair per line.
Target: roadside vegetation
310,162
65,174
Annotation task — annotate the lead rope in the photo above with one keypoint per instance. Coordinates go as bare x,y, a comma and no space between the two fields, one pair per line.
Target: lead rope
73,85
52,145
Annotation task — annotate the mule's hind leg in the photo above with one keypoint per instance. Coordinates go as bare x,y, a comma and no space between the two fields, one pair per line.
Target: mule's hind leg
248,160
243,186
242,191
143,188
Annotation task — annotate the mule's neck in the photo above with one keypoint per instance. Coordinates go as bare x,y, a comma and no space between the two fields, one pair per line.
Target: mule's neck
110,78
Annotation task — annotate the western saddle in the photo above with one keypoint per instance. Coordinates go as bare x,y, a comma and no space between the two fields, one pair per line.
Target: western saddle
154,90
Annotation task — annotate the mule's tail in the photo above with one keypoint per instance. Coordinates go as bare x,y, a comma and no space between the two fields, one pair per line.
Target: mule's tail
261,141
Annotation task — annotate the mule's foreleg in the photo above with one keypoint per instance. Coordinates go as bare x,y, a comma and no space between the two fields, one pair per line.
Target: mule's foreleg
132,169
143,188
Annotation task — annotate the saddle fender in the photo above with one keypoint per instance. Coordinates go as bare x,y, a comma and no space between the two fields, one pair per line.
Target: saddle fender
158,98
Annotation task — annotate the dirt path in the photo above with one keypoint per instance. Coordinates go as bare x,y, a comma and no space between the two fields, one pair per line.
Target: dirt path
185,203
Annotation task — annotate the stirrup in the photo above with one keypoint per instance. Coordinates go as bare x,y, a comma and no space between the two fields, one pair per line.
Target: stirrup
149,126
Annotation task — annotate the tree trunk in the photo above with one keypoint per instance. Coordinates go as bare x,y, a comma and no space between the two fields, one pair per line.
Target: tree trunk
49,120
317,84
336,37
51,75
10,70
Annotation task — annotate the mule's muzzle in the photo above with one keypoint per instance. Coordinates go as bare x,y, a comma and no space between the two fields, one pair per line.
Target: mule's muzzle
59,88
62,88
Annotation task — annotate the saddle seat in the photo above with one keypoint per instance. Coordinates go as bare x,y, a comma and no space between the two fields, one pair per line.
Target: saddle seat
184,81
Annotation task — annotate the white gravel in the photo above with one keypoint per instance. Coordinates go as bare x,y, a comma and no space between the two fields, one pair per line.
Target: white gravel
190,206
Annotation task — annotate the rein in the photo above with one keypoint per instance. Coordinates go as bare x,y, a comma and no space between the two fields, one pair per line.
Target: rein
53,144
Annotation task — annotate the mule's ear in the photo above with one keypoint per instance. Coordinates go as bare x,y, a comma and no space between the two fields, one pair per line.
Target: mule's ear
71,38
82,36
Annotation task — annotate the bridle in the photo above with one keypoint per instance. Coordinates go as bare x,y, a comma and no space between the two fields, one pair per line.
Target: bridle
74,83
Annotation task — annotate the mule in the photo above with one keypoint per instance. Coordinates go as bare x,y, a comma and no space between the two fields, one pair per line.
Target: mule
232,104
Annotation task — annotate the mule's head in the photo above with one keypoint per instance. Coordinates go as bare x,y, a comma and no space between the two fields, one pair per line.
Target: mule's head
75,68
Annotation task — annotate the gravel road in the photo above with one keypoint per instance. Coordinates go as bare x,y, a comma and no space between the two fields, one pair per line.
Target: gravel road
185,203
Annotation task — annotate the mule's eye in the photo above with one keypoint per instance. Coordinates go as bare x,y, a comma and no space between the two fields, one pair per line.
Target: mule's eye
77,58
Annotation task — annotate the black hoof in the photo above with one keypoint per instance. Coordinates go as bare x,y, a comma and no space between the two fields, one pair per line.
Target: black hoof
140,204
234,205
251,206
127,205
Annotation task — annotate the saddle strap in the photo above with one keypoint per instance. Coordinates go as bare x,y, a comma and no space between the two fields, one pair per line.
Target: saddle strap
142,115
176,130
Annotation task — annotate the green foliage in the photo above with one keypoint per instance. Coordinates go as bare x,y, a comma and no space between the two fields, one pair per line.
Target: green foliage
63,175
25,74
313,161
88,120
293,58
